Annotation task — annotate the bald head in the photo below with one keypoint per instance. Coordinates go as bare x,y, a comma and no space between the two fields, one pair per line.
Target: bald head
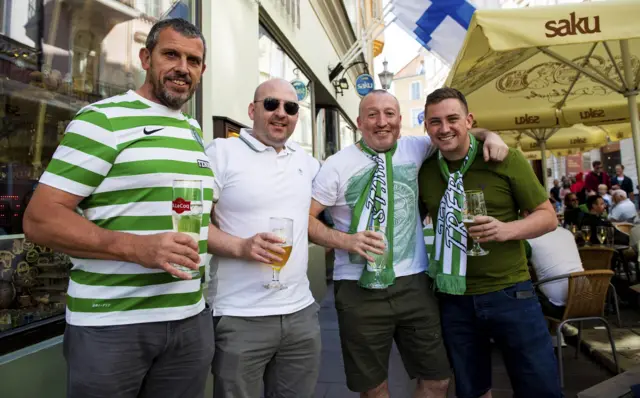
273,119
267,89
372,96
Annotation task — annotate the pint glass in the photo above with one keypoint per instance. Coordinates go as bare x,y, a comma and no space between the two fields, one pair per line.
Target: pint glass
187,213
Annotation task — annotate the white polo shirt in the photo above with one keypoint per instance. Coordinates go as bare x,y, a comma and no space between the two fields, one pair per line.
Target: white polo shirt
253,183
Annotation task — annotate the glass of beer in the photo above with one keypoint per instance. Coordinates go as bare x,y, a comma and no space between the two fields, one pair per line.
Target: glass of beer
186,212
610,235
586,232
602,234
283,228
474,205
379,260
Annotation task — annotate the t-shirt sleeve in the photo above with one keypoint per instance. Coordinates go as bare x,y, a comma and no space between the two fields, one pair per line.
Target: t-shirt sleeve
218,160
326,185
527,191
85,155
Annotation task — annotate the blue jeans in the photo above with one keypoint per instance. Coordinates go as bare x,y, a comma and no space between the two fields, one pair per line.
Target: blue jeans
513,318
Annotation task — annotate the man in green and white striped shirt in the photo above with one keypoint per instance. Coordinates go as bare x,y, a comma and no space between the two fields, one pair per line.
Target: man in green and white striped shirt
137,327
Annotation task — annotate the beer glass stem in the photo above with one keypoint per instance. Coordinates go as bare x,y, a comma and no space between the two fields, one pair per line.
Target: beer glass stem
276,274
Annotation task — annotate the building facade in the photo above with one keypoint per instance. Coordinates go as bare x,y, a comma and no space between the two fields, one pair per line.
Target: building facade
411,85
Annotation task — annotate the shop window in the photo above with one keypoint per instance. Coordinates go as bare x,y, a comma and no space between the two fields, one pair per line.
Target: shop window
94,55
273,62
3,13
347,133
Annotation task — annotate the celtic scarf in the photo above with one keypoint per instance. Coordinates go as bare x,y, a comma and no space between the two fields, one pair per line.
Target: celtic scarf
449,265
374,207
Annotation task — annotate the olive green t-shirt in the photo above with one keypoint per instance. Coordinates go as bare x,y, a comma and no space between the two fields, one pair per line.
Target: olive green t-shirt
508,187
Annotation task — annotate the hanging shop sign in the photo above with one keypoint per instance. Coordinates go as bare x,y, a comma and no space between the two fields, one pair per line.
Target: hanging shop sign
301,89
364,84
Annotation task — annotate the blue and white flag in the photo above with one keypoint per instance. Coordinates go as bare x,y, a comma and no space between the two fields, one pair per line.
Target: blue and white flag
439,25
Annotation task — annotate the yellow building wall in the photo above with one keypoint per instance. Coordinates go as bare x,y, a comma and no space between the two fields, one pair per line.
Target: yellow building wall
402,91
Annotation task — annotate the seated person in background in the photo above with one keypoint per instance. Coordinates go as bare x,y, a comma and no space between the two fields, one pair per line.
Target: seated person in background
583,204
624,210
552,254
594,219
572,213
602,191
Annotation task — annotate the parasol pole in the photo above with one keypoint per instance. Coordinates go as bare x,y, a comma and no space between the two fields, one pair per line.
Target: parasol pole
543,156
631,95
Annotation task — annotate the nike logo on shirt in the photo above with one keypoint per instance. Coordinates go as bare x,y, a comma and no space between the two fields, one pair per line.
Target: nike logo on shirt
147,132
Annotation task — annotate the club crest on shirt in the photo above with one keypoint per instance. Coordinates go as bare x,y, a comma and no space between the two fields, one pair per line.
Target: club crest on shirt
196,137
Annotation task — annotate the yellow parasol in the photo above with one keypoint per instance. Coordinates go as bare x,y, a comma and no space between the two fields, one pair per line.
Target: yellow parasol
550,67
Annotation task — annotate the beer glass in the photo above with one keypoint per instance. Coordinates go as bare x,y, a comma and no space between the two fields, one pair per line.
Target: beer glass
602,234
610,235
574,229
474,205
379,260
186,213
586,232
283,228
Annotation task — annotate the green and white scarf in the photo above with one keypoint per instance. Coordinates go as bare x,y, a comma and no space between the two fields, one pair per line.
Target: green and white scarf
449,265
374,207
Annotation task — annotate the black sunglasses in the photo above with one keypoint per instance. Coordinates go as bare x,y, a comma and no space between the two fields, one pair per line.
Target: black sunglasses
271,104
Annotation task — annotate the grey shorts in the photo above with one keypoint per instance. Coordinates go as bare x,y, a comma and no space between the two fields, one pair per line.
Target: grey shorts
281,351
160,359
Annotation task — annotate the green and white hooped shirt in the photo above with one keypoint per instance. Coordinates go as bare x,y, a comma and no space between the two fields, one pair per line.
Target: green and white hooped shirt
122,155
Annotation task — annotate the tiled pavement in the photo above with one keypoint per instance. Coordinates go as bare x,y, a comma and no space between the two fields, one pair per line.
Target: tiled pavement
579,374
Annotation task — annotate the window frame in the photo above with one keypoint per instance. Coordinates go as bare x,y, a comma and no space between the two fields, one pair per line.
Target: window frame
419,91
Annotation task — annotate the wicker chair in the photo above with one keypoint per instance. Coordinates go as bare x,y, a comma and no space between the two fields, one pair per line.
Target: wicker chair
598,258
624,227
585,302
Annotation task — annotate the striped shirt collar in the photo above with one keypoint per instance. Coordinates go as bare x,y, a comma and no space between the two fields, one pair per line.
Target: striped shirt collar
252,142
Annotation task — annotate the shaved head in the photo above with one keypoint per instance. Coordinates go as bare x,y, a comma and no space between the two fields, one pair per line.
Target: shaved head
375,93
272,85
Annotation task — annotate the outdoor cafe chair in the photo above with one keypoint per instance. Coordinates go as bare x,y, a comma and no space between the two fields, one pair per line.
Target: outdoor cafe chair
624,227
599,258
585,302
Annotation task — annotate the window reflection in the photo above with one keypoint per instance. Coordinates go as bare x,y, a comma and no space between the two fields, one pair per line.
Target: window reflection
347,133
55,58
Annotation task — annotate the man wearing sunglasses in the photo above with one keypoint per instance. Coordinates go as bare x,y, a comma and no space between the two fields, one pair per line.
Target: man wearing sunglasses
375,180
262,335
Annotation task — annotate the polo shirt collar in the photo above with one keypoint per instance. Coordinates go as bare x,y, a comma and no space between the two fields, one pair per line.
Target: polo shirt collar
252,142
